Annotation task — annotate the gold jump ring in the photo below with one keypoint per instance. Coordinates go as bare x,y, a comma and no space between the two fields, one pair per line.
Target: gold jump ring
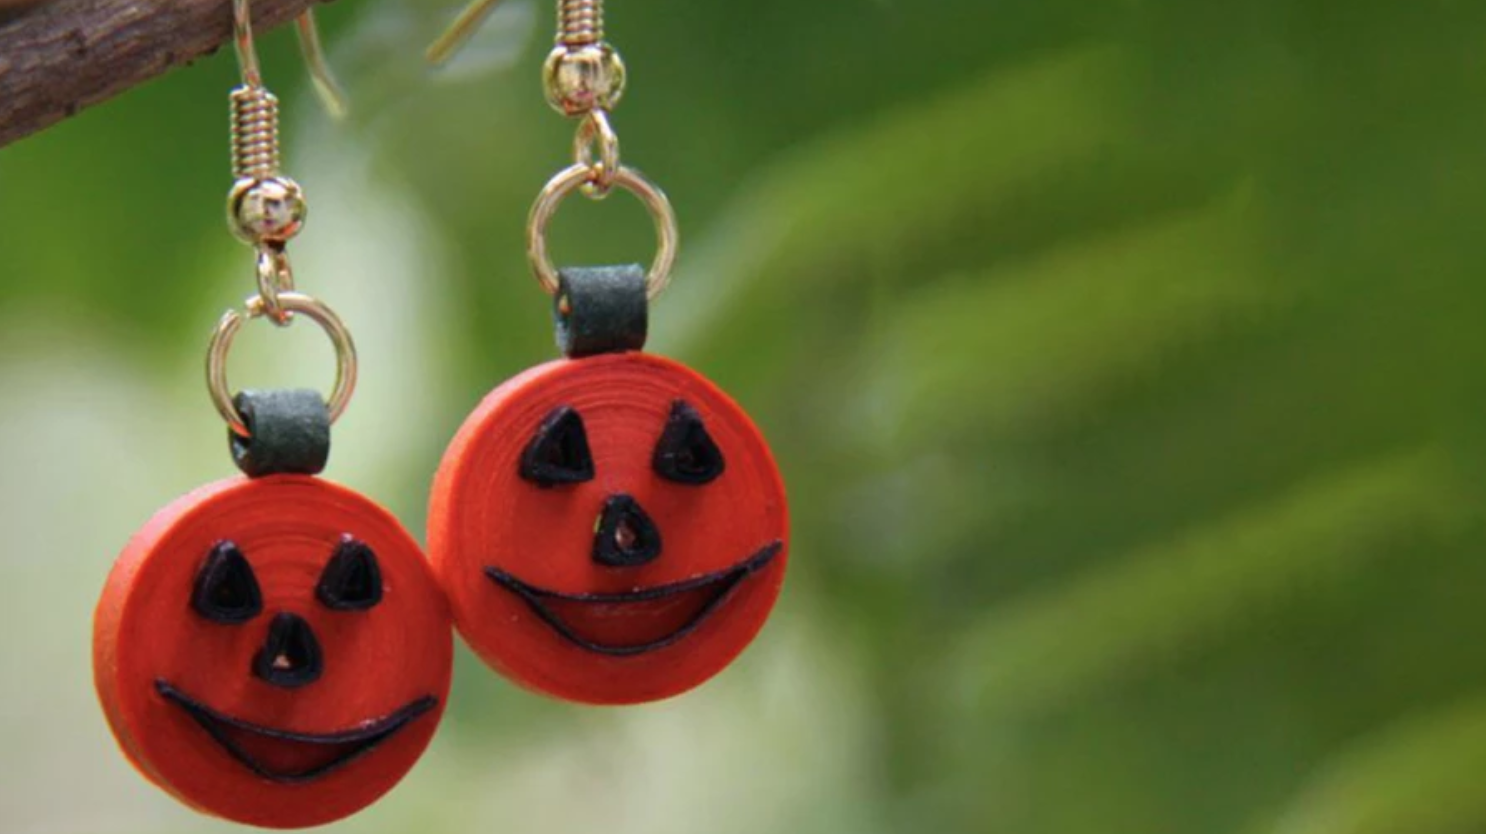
275,278
232,322
570,178
596,130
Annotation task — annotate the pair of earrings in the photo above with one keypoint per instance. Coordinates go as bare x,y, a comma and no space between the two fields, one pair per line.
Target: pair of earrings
606,528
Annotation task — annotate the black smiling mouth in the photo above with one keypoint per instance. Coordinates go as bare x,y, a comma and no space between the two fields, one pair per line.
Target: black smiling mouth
720,584
346,746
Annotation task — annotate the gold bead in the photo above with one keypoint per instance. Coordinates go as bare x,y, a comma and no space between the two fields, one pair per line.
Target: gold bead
268,210
579,79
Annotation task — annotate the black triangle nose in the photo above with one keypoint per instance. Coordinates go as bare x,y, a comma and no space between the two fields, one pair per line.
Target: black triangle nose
626,535
290,656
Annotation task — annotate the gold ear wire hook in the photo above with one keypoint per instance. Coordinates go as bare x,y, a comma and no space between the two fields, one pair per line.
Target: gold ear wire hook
265,209
242,39
460,31
326,88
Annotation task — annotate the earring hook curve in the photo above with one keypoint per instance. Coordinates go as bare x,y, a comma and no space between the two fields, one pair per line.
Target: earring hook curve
460,31
326,88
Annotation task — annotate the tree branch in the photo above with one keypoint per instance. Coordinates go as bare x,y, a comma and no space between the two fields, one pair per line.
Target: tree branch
60,56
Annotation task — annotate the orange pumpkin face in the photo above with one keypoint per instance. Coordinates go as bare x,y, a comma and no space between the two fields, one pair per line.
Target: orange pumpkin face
610,529
273,651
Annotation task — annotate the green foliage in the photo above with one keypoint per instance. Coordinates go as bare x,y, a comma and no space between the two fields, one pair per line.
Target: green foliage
1123,359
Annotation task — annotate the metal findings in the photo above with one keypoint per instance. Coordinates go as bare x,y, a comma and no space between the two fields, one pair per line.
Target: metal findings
266,209
596,132
583,78
583,73
570,178
460,31
232,322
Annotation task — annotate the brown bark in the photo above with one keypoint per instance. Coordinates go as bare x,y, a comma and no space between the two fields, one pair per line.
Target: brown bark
60,56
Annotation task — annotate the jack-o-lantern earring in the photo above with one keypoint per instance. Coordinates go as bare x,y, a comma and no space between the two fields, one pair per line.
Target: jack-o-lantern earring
611,527
273,648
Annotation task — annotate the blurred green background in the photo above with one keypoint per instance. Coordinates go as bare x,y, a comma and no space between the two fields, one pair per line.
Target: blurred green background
1124,361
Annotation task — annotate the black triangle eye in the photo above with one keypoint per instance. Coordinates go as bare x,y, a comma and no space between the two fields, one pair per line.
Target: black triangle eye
558,454
226,591
351,580
685,452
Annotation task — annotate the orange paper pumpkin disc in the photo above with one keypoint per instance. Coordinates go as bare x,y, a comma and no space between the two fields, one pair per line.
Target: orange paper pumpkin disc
273,651
609,529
